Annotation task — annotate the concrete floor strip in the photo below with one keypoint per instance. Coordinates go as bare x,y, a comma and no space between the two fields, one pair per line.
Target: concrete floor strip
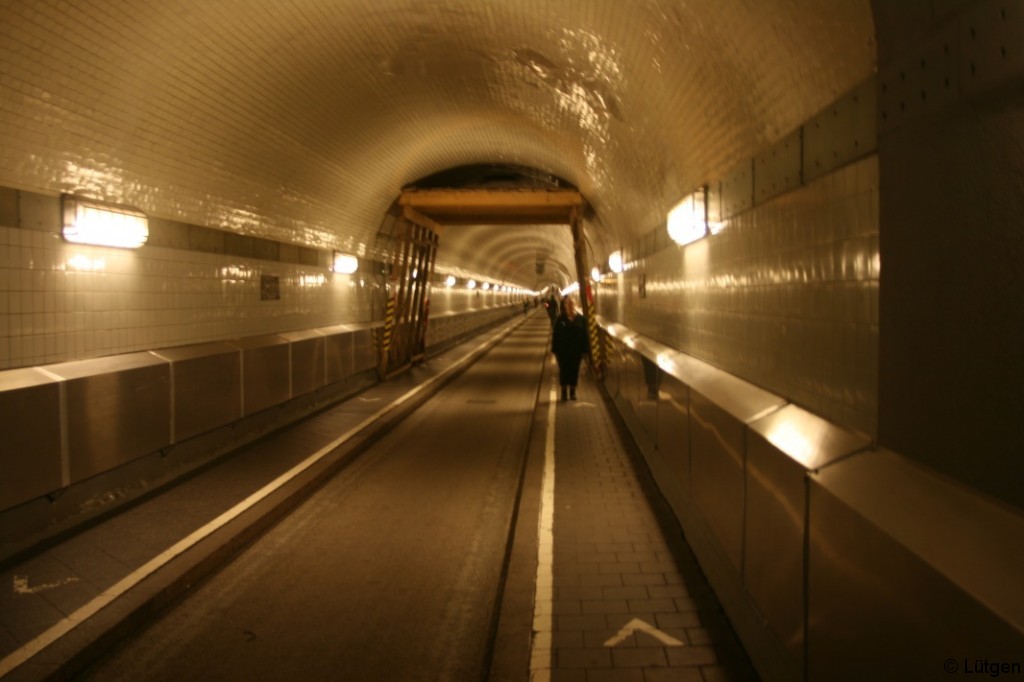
543,613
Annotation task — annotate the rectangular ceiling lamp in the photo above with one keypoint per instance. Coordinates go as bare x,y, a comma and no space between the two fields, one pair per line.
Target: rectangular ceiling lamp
102,224
688,220
345,263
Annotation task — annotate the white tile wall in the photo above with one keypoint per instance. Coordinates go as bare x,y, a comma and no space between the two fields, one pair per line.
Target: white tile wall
786,296
62,302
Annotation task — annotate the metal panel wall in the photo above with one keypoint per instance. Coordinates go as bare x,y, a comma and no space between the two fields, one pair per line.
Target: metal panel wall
338,353
648,379
842,133
30,448
778,170
738,190
674,428
364,350
920,571
628,367
118,408
781,449
207,387
717,472
307,361
265,372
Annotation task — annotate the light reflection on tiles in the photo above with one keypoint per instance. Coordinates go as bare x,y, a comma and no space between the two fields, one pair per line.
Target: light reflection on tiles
785,297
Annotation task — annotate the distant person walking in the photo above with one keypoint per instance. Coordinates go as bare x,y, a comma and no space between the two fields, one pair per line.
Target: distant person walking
551,308
569,342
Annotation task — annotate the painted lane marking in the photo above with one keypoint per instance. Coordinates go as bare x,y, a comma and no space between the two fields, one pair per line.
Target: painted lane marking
637,625
21,585
543,609
105,598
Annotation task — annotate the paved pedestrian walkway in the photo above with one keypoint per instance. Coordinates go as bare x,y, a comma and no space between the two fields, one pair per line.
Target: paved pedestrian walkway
626,600
630,603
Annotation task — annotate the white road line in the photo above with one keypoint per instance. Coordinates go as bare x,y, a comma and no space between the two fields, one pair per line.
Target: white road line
543,609
30,649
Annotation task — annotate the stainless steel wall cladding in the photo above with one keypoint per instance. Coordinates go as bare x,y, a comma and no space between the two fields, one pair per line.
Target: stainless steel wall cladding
716,471
737,193
338,352
307,361
924,571
364,349
647,379
30,448
820,540
118,408
843,132
781,449
207,387
721,406
674,428
265,372
777,170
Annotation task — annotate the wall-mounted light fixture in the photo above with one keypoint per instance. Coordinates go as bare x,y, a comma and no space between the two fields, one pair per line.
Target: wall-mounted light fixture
449,281
99,223
345,263
615,261
486,286
595,274
471,284
688,220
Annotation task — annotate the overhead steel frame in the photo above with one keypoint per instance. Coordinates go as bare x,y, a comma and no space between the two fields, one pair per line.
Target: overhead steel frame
427,210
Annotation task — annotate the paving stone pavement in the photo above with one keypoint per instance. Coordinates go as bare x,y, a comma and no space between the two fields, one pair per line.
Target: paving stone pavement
619,555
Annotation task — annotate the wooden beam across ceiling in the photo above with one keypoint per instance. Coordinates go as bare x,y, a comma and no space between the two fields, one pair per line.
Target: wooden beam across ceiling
494,206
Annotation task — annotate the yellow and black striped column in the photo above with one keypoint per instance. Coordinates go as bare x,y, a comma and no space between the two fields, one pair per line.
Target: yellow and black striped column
596,347
385,342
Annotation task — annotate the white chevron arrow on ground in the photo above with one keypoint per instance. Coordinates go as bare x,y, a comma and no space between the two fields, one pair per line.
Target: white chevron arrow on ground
636,625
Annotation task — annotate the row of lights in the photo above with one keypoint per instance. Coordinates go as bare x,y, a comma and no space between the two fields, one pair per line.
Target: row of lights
86,221
98,223
450,281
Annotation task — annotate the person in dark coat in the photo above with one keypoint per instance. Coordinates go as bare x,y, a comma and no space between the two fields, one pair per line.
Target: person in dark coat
570,341
551,308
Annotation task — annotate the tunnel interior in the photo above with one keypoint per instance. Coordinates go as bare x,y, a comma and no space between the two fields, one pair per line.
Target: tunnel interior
853,168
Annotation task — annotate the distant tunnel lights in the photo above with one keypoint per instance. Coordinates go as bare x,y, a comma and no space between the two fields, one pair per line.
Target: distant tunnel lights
345,263
688,220
449,281
615,261
102,224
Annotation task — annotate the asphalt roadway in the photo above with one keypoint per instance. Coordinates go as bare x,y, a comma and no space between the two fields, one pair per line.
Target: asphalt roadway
391,570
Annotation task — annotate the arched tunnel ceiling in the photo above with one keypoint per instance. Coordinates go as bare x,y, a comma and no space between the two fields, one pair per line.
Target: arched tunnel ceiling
302,121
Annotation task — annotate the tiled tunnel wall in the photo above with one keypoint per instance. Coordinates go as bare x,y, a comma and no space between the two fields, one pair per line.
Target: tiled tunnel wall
786,295
61,302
